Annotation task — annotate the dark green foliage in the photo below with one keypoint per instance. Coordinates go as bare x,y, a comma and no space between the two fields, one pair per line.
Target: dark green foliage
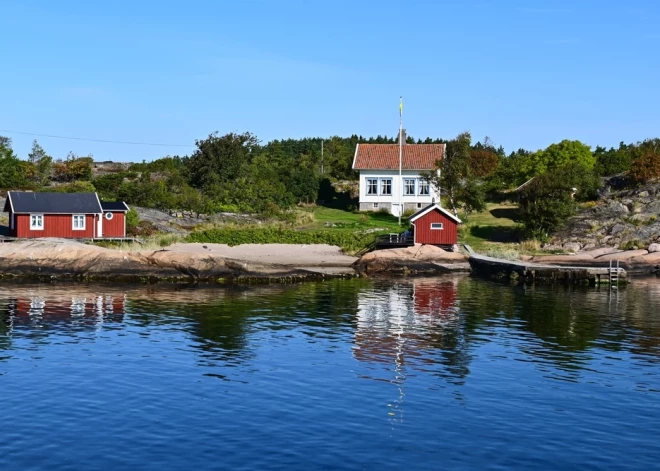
349,241
548,201
219,159
78,186
613,161
13,171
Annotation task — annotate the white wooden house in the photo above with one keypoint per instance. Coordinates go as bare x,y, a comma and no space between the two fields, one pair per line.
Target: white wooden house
380,184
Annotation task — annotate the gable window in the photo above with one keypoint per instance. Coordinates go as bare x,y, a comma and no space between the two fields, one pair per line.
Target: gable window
372,186
36,222
78,222
386,186
437,226
409,186
424,187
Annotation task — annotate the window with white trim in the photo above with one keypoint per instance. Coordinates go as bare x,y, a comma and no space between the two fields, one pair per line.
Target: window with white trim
386,186
437,226
109,216
423,187
78,222
375,205
36,222
409,186
372,186
419,205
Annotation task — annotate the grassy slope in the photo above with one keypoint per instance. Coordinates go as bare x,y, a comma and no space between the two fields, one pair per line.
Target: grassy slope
350,221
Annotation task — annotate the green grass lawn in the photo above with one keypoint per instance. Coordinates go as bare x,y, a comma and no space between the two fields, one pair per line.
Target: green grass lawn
337,219
494,230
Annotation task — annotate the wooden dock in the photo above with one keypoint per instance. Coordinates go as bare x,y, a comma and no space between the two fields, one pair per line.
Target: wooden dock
526,272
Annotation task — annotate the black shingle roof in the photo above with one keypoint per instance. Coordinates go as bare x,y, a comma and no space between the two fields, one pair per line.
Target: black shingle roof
114,206
53,203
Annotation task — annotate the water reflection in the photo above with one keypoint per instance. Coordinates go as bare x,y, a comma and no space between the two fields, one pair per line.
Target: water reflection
429,325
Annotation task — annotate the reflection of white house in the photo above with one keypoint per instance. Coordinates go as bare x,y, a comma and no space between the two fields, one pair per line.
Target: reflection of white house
380,184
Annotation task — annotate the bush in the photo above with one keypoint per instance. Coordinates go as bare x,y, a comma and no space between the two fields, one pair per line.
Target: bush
132,220
646,167
348,241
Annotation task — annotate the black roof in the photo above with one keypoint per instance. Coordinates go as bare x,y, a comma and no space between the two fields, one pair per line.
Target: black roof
53,203
414,216
114,206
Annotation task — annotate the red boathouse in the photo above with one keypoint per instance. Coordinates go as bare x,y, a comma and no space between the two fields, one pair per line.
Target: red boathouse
67,215
434,225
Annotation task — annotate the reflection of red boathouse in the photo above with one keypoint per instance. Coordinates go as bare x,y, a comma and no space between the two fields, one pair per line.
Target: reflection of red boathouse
397,323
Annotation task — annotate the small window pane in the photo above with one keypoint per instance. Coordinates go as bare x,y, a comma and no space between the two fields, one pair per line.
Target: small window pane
372,186
424,187
386,186
409,186
436,226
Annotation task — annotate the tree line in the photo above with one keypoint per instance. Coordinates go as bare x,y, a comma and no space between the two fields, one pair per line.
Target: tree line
235,172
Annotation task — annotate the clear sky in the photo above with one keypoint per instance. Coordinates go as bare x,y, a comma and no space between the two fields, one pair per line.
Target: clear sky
526,73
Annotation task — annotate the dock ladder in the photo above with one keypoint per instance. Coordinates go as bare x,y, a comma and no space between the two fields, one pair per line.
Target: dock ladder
614,274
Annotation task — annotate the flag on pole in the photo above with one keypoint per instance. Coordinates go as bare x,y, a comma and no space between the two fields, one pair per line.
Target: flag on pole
401,107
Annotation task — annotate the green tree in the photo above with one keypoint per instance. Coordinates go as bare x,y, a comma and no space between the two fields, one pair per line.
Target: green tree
219,159
563,153
42,163
13,172
456,179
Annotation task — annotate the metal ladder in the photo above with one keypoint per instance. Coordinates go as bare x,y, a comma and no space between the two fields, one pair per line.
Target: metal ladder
614,274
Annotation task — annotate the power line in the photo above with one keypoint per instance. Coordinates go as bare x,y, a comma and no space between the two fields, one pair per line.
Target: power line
97,140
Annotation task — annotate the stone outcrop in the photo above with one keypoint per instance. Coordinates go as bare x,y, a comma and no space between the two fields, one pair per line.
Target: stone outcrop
62,259
638,261
623,217
415,260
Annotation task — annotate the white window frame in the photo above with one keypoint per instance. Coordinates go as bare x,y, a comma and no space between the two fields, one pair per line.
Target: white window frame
406,188
73,222
375,180
109,215
423,184
442,226
420,205
382,184
33,222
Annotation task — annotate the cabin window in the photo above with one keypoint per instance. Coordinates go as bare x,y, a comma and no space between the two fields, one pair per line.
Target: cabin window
36,222
78,222
372,186
409,186
109,216
424,187
386,186
437,226
375,205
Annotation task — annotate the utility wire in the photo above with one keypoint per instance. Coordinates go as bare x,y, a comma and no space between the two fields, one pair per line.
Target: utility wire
97,140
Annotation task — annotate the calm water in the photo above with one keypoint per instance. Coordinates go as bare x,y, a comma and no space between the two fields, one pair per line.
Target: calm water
443,373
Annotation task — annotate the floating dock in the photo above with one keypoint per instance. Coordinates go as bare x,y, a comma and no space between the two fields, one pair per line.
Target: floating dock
525,272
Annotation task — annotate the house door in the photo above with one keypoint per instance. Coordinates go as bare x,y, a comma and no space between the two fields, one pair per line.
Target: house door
99,227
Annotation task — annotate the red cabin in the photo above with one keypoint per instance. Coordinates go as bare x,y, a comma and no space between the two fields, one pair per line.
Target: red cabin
434,225
66,215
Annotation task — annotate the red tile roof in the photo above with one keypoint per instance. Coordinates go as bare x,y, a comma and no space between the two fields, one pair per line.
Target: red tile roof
386,156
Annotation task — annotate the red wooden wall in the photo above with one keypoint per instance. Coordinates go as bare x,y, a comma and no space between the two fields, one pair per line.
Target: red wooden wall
116,227
425,235
55,225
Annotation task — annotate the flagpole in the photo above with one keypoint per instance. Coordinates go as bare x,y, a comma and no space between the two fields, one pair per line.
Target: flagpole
400,157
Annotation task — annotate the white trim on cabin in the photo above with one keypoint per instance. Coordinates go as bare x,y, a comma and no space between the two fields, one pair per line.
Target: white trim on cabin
355,156
34,217
11,204
431,208
75,222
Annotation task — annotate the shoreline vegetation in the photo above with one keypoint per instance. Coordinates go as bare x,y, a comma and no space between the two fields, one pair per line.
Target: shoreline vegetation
234,190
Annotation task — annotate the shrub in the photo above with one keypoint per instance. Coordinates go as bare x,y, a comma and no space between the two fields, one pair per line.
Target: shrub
348,241
646,167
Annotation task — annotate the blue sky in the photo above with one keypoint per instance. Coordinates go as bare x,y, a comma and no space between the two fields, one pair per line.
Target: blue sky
526,73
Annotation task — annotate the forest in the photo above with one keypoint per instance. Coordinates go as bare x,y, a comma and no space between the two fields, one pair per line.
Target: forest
236,172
